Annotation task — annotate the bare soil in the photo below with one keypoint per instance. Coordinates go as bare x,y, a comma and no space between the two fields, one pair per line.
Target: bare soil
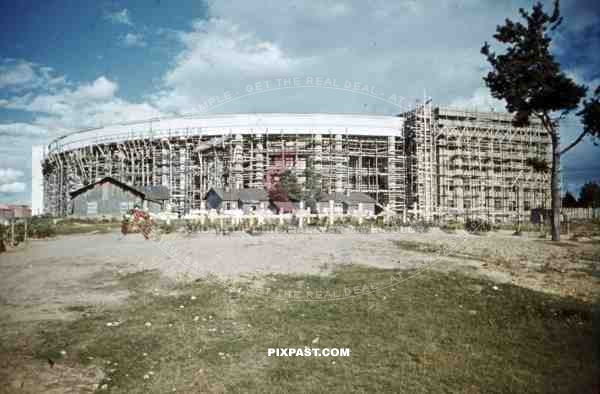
58,279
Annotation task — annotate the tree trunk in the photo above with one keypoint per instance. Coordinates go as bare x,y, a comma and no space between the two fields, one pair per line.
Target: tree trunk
555,184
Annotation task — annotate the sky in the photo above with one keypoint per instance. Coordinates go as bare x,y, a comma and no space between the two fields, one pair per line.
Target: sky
72,64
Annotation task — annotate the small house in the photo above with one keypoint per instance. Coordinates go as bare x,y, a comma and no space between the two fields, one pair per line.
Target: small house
111,197
253,199
248,200
353,203
217,198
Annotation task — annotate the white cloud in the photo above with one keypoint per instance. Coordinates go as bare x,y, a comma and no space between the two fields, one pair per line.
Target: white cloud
15,187
120,17
23,75
480,100
21,130
65,101
20,73
133,40
218,52
9,175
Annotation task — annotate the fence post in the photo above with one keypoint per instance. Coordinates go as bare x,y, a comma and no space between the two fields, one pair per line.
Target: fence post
12,232
25,235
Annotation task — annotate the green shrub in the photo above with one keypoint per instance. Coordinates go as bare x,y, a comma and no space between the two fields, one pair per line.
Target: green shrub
451,226
478,225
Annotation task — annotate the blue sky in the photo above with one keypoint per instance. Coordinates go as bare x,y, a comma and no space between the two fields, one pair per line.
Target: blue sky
67,65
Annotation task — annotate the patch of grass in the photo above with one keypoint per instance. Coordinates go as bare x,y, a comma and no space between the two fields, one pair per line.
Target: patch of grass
418,246
435,333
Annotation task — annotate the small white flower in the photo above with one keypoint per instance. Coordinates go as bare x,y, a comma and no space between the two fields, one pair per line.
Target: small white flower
192,298
333,362
146,377
495,288
144,354
181,306
196,318
151,373
148,324
109,324
63,352
104,386
221,354
316,340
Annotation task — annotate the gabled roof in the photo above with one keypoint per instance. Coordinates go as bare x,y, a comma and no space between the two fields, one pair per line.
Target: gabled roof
350,198
153,193
156,193
106,179
225,195
244,195
253,194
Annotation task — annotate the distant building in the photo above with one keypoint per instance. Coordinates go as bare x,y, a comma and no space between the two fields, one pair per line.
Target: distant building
14,211
249,199
346,202
111,197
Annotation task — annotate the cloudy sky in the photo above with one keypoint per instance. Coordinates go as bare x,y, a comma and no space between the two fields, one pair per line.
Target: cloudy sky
71,64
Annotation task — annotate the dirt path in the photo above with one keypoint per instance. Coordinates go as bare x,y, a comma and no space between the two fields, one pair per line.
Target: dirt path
44,278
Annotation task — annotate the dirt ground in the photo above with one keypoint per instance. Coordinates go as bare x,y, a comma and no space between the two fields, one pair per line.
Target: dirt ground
48,279
40,280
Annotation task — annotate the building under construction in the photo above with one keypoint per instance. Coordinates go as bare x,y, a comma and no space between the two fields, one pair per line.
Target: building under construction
429,163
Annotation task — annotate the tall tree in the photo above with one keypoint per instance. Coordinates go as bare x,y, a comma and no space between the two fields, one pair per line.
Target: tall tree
312,185
290,184
531,82
589,195
569,200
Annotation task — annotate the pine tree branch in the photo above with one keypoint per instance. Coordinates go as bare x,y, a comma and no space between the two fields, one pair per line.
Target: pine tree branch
572,144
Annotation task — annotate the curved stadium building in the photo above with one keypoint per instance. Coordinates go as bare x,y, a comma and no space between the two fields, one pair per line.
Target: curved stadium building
425,163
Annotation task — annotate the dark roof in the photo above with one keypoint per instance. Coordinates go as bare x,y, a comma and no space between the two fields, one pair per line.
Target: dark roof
350,198
156,193
254,194
226,195
153,193
109,179
245,195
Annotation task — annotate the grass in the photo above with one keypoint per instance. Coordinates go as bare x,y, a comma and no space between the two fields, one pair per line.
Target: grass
434,333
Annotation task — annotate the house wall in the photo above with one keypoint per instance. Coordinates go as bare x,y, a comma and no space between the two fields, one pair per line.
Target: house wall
367,209
153,206
104,199
323,207
254,206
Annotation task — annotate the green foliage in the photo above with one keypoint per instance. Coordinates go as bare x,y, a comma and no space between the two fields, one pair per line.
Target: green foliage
290,184
451,226
589,196
569,200
590,116
477,225
312,185
527,76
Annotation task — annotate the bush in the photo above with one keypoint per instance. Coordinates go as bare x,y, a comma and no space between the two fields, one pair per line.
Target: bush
42,229
478,225
451,226
422,226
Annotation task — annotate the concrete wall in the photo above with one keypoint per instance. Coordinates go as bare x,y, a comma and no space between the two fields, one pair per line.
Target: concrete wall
104,200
